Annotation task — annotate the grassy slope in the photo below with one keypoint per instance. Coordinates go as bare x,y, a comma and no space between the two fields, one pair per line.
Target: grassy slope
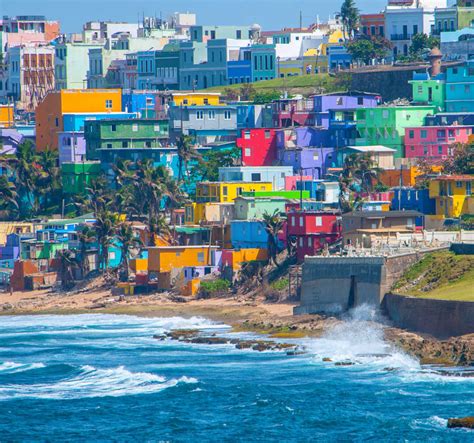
442,275
304,84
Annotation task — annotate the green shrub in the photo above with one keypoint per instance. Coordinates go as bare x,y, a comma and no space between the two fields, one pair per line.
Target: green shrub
280,285
214,286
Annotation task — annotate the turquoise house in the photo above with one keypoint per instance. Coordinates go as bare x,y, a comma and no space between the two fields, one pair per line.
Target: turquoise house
251,208
460,88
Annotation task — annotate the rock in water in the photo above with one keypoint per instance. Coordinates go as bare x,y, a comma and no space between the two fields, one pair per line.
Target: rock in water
466,422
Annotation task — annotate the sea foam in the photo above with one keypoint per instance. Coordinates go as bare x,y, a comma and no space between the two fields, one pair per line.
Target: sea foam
10,367
92,382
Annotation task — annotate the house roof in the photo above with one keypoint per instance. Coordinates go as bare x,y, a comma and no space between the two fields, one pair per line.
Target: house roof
375,148
458,178
383,214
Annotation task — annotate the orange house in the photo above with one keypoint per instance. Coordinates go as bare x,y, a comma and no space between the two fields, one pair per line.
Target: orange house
6,116
49,113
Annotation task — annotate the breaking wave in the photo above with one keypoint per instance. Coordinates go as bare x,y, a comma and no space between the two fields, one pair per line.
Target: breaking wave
91,382
10,367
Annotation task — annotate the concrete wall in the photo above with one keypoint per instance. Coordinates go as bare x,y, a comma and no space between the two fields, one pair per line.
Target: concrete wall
336,284
440,318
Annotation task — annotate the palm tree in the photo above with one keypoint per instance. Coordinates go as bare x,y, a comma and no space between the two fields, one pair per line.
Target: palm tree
128,242
98,198
186,153
87,236
66,264
273,225
350,18
48,180
8,198
158,226
104,227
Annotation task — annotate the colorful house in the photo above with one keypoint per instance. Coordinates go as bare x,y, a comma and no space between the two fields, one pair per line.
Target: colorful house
434,142
207,192
386,125
382,156
50,112
246,234
268,174
252,208
76,177
453,195
322,191
124,134
259,146
234,259
429,90
165,259
196,98
313,230
460,88
291,112
411,199
6,116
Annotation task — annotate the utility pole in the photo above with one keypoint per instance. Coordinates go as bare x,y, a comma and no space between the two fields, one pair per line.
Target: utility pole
301,19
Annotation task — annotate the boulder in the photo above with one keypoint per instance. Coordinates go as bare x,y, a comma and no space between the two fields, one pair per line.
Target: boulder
466,422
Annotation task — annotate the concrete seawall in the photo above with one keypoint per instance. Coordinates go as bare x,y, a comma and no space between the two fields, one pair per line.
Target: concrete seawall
440,318
336,284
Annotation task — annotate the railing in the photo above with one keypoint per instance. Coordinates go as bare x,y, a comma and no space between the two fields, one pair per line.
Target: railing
395,37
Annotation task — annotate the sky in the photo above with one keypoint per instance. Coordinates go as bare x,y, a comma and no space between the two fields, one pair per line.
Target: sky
270,14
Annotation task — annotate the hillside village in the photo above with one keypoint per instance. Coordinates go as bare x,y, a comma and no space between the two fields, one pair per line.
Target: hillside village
152,171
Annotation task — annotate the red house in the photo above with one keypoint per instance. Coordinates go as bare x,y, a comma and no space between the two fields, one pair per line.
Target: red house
313,230
372,25
258,146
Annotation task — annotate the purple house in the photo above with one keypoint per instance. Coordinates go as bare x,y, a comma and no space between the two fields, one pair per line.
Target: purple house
341,101
72,147
306,150
11,249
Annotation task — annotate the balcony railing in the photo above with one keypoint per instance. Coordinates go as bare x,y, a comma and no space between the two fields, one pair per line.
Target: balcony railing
395,37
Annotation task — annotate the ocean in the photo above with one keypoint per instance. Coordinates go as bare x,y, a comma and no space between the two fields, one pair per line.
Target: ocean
105,378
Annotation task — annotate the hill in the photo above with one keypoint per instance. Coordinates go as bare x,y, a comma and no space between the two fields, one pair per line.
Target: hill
441,275
303,84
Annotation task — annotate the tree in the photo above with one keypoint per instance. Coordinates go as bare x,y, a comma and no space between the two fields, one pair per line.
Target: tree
158,226
421,44
66,265
461,161
87,236
264,97
208,166
350,18
8,198
273,225
48,180
128,242
365,49
104,227
186,153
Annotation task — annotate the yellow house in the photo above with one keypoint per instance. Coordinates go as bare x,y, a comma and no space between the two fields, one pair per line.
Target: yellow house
196,98
163,259
7,228
222,192
235,258
453,195
6,116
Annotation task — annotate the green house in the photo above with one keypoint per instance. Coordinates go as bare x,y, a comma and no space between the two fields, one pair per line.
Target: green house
282,194
386,125
123,134
76,177
429,92
253,208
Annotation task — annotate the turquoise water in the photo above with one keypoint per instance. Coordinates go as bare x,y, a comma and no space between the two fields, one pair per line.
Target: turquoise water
103,377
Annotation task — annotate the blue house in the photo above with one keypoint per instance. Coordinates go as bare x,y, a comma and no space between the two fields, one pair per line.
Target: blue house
248,234
450,119
75,122
255,63
460,88
410,199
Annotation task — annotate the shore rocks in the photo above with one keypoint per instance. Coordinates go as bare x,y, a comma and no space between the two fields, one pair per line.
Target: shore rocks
194,336
466,422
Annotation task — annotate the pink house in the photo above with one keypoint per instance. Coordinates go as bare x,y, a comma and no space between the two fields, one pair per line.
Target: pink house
290,181
434,141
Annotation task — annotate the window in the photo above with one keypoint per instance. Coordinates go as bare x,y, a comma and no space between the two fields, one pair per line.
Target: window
56,121
156,128
301,242
310,242
109,145
148,144
409,223
360,100
248,152
385,114
256,177
124,144
301,222
135,128
267,134
206,101
339,101
224,190
108,104
423,133
227,115
247,135
199,115
440,150
412,134
319,221
114,128
212,115
293,221
201,257
459,184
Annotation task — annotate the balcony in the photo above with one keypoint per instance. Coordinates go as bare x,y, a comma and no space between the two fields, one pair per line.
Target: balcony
400,37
